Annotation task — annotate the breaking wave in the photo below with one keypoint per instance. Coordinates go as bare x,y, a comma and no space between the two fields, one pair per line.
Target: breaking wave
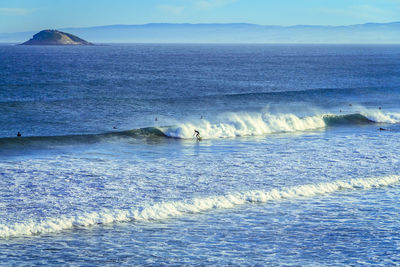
243,124
228,125
167,210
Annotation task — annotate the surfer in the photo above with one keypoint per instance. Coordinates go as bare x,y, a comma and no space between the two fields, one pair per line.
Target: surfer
197,134
383,129
19,134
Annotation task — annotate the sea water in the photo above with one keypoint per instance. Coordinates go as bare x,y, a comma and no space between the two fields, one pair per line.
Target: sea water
298,162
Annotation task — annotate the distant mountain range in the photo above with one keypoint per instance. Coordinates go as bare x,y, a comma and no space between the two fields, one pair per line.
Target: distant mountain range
376,33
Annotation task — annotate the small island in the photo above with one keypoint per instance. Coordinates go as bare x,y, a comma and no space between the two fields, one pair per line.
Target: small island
54,37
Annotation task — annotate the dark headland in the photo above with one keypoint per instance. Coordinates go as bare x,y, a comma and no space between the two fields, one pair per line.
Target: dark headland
54,37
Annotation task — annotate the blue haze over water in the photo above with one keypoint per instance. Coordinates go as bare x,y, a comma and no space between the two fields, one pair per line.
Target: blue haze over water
292,168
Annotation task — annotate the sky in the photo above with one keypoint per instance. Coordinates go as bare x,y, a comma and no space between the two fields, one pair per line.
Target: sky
34,15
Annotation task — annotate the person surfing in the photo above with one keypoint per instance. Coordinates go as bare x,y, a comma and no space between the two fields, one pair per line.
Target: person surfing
197,134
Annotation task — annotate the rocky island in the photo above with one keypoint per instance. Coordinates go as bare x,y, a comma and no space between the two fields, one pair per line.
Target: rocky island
54,37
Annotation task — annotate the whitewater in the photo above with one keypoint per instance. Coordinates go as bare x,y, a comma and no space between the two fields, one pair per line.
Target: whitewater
228,125
167,210
297,165
245,124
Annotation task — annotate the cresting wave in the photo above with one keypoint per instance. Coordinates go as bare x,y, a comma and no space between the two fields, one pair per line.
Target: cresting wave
228,125
244,124
175,209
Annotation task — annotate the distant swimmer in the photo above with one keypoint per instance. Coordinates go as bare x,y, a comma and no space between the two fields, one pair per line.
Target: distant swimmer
114,127
350,105
380,108
201,117
156,119
197,134
383,129
19,134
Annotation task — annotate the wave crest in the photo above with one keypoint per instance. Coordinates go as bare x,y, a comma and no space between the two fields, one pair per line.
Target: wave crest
245,124
227,125
242,124
166,210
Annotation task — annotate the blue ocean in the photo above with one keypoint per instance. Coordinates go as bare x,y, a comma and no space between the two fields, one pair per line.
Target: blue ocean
297,161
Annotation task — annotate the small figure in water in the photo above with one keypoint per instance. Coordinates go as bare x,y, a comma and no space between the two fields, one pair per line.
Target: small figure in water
19,134
350,105
201,117
156,119
197,134
114,127
380,108
383,129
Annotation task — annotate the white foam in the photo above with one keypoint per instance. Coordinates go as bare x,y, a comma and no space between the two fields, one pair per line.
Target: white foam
251,124
245,124
167,210
379,116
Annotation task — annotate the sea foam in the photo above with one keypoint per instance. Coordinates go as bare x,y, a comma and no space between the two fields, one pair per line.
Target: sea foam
173,209
245,124
253,124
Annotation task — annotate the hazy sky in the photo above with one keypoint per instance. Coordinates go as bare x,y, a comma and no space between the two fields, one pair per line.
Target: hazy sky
27,15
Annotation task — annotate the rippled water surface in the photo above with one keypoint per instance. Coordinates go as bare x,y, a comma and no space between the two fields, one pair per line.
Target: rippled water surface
297,162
